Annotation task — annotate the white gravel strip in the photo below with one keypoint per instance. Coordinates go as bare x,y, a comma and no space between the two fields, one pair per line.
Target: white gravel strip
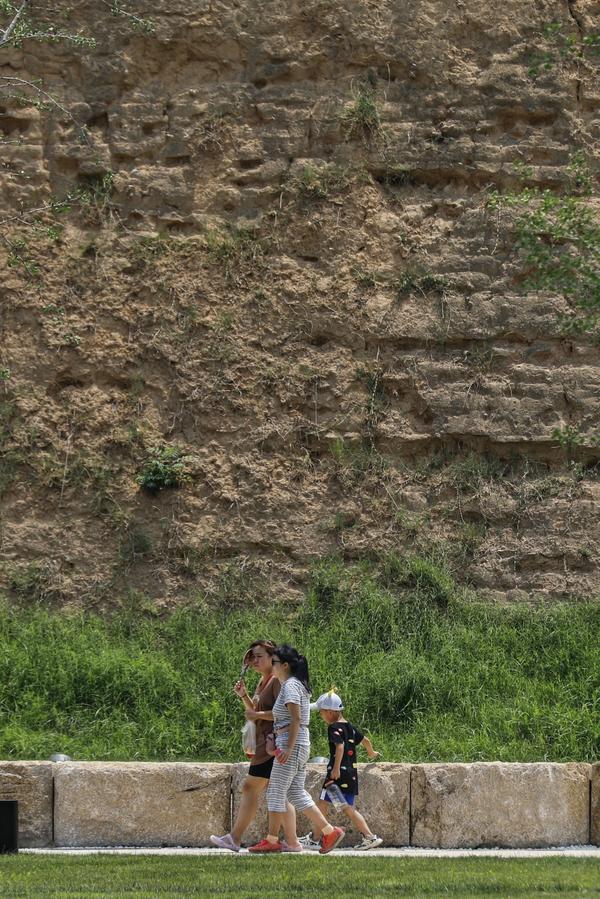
402,852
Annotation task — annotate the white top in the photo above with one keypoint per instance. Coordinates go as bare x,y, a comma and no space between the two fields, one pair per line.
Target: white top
292,690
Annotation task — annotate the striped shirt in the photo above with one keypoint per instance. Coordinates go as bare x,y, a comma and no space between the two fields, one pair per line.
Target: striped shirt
293,691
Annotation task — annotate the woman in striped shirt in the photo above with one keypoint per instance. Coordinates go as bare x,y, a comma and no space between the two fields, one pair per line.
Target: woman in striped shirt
291,713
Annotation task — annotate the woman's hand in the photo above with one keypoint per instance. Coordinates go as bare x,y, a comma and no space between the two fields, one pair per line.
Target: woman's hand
282,757
240,689
251,715
374,754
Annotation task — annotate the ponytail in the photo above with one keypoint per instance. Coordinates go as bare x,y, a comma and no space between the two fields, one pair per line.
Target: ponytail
298,664
301,672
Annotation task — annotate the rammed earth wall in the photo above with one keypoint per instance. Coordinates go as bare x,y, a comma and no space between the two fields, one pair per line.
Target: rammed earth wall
181,804
280,258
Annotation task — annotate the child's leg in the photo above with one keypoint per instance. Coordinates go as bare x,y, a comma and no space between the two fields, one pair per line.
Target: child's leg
358,821
324,809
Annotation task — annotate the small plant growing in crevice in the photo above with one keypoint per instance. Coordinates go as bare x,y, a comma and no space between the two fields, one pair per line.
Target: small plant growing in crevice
165,467
417,279
558,239
353,461
470,538
409,523
378,400
468,474
570,437
394,175
313,183
212,131
148,249
341,521
95,192
370,279
480,357
19,257
556,47
234,243
362,118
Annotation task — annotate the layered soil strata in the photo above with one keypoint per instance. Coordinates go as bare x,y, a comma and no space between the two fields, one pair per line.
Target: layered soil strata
279,259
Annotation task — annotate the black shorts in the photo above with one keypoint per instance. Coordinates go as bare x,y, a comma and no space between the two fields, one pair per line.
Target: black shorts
262,770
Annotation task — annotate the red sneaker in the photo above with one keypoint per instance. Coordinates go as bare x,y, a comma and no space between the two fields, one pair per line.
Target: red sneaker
266,846
330,840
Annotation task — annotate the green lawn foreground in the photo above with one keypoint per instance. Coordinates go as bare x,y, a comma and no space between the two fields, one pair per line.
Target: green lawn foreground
146,876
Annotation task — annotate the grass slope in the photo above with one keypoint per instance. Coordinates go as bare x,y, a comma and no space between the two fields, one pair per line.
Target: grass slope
432,675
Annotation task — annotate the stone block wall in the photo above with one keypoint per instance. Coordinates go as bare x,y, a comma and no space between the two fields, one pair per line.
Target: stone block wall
595,805
181,804
499,804
31,784
140,804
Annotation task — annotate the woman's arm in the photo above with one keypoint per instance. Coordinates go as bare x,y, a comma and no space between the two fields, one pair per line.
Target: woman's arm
251,715
294,710
241,691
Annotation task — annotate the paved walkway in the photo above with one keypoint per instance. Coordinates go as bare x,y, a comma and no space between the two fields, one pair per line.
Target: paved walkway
405,852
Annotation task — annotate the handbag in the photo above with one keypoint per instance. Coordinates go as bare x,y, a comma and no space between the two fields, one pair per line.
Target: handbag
270,745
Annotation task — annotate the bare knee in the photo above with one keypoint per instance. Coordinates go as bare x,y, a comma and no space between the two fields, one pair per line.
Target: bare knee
254,786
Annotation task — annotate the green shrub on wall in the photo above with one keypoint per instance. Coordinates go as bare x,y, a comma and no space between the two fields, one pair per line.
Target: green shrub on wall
164,467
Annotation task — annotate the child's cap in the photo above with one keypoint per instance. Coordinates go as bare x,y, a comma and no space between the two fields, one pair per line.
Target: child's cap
329,701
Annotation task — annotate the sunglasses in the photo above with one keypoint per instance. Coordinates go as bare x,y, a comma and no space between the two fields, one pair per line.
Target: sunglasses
276,661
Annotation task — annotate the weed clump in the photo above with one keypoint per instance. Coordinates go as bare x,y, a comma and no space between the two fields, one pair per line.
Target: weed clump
314,183
362,118
165,467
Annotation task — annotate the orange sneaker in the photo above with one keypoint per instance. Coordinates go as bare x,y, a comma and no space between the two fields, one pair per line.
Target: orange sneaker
266,846
330,840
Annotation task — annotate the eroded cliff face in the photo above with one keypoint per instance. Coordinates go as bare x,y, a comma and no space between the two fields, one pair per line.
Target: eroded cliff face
279,257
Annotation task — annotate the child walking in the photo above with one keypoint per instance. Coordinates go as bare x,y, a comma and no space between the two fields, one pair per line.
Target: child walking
344,737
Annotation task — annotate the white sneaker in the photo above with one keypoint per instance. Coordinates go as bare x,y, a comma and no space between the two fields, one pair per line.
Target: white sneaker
369,842
225,842
307,842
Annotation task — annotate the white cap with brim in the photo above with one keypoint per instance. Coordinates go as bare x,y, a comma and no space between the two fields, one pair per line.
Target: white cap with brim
329,701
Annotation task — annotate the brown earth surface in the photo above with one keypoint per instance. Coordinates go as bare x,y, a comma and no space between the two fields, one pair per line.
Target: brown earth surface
283,263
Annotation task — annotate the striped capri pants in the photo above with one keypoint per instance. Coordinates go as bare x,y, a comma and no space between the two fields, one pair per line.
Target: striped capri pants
287,782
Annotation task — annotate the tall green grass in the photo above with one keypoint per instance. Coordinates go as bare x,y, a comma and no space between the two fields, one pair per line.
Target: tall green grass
432,675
